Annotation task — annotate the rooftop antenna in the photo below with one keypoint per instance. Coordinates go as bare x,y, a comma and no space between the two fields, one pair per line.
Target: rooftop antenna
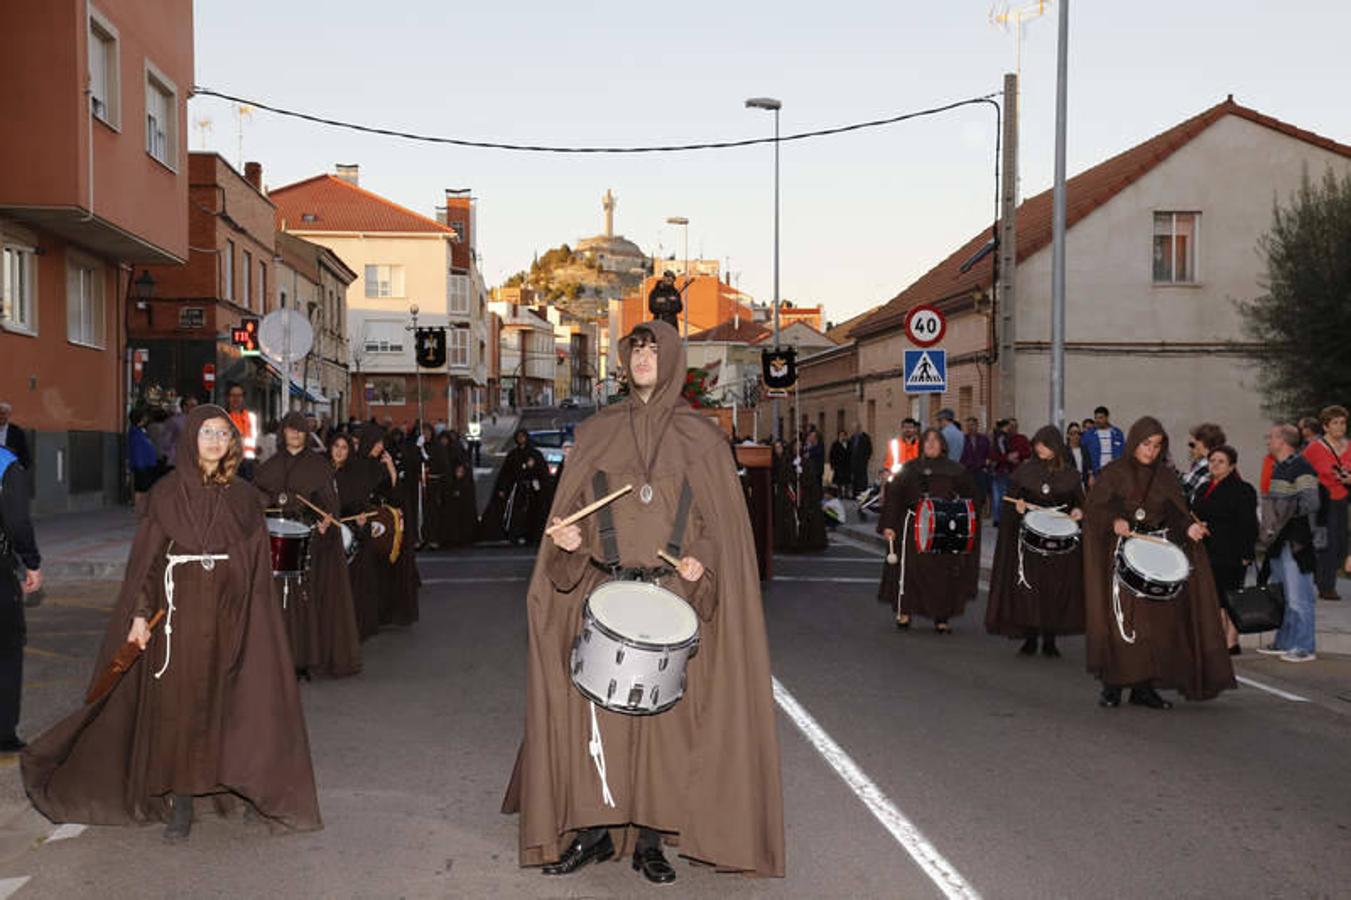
203,126
242,111
1003,16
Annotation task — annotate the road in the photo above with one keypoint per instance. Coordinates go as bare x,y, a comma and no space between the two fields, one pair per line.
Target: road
1004,765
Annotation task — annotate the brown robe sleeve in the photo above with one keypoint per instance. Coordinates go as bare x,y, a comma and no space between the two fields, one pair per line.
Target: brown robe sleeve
703,594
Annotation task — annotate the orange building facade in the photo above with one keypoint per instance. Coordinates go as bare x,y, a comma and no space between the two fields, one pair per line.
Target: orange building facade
93,183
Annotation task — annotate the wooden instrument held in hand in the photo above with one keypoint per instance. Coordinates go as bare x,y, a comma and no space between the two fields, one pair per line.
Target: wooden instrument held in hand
589,509
123,660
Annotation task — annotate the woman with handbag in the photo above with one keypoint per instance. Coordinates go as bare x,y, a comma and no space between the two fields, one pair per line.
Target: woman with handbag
1330,455
1227,505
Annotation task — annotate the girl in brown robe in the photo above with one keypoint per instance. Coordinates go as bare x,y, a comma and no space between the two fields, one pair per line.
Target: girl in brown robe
212,710
1176,643
936,586
1032,593
318,609
704,774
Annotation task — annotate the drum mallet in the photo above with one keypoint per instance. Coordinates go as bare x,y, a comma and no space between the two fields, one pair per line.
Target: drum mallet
892,558
589,509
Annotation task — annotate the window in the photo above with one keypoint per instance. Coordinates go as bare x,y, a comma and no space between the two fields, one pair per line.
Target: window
384,281
1175,247
383,345
386,392
457,294
104,70
18,289
84,303
247,272
457,348
229,262
966,401
161,117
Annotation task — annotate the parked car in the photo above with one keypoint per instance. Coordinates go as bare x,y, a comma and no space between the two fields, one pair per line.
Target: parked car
569,403
550,444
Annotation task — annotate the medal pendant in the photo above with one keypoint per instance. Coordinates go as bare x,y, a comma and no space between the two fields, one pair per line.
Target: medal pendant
1140,515
282,499
645,494
1046,489
208,564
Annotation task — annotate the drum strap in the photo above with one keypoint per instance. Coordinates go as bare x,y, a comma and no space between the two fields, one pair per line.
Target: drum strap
609,545
682,517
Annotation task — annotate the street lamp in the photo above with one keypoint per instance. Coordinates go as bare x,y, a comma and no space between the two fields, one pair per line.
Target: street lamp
684,223
417,368
145,289
773,105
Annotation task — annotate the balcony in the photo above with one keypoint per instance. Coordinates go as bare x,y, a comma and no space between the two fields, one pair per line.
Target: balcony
95,234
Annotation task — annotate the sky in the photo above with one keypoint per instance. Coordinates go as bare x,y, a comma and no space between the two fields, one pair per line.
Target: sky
862,215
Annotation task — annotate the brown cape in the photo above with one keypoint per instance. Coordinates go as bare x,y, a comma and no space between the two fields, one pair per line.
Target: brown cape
1178,642
320,617
937,585
225,718
1052,599
706,772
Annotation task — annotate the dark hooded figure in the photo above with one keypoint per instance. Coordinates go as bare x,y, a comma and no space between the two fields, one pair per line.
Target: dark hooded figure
784,481
516,510
936,586
1134,642
399,579
704,773
811,535
212,709
457,510
1035,591
356,483
318,610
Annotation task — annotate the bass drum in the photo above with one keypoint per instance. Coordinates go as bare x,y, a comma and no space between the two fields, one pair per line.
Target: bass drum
290,541
945,526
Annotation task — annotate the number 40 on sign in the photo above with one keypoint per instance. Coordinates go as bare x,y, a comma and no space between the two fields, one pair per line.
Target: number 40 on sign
925,326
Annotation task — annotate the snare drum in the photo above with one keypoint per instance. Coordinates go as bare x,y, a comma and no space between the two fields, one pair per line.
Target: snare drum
1049,533
631,653
945,526
290,541
1152,569
349,541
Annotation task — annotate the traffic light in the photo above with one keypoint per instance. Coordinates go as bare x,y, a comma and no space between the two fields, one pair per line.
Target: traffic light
245,336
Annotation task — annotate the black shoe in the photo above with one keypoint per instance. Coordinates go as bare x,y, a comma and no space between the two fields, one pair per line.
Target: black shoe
1029,647
652,863
1110,697
942,628
1049,649
180,818
1236,650
1147,696
12,745
302,674
579,854
903,625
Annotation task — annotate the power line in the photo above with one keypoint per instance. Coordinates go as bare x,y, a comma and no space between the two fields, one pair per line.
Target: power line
539,148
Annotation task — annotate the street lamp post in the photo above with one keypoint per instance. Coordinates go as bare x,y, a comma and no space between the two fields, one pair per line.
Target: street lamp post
417,368
773,105
685,223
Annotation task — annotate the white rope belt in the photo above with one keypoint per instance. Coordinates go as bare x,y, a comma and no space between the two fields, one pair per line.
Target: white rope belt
208,562
905,545
597,750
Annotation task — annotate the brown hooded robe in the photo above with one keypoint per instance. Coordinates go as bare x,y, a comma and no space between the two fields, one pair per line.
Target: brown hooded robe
225,719
1052,599
1178,642
706,772
936,586
358,482
320,618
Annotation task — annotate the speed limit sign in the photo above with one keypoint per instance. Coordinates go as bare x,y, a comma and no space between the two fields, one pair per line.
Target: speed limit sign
925,326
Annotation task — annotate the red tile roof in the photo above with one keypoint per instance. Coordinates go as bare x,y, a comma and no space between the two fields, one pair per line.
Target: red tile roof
1085,192
729,332
338,205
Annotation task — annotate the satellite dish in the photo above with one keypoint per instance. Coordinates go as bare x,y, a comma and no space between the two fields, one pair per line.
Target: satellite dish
273,335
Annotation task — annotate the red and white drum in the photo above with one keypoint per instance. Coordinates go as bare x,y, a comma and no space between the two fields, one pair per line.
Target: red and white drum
945,526
290,546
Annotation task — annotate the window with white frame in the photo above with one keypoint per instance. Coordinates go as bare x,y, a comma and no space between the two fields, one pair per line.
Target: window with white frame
383,337
384,281
1175,236
457,348
247,271
18,289
105,83
84,303
229,264
457,294
161,117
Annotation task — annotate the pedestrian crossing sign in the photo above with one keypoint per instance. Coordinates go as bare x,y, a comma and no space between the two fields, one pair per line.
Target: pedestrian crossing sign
926,371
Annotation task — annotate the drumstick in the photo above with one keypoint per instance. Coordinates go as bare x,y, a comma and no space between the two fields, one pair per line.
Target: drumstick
669,559
321,512
589,509
1150,537
353,518
1050,509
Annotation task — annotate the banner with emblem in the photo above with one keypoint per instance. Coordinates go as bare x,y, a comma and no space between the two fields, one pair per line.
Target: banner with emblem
431,347
780,368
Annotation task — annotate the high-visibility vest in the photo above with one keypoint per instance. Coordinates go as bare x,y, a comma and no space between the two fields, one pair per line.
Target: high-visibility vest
247,423
900,452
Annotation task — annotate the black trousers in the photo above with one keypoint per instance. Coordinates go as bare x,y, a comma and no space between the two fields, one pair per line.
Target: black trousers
13,636
1330,557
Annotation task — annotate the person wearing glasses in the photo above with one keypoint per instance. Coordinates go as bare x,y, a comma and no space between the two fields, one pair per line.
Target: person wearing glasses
211,712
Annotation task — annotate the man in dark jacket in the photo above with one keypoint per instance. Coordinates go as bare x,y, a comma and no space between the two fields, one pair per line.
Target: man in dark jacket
1289,505
860,457
664,300
17,545
12,437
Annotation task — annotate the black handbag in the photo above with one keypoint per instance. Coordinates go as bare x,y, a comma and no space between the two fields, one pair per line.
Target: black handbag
1256,608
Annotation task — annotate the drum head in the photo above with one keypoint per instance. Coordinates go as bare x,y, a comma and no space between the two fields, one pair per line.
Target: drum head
287,528
643,612
1160,562
924,525
1050,524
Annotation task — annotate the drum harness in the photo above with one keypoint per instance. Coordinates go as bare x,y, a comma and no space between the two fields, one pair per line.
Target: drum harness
609,546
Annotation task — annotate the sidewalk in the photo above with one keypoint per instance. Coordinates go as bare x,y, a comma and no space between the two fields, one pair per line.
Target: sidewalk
1332,618
85,546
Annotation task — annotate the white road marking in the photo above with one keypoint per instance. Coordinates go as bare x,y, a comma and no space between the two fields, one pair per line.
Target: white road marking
838,538
1285,695
66,831
467,580
8,886
939,870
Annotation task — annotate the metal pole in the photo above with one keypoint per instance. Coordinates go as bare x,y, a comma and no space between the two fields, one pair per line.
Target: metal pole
689,294
1057,380
778,427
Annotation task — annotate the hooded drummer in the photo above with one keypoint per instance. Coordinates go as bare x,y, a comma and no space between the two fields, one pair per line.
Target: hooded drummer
318,610
703,775
935,586
211,711
1140,643
1037,580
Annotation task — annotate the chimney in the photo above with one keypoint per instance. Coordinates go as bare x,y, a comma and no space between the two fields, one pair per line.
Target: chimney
253,174
350,173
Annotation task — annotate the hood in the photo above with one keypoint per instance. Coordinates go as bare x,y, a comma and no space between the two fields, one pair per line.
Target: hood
671,364
370,435
1144,429
186,456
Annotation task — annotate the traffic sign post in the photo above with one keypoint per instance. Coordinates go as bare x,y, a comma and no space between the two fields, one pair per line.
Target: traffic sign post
926,371
925,326
209,378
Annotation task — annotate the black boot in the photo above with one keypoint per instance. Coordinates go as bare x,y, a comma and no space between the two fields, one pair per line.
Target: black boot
1029,647
1144,695
1110,696
591,845
180,818
1048,647
648,858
